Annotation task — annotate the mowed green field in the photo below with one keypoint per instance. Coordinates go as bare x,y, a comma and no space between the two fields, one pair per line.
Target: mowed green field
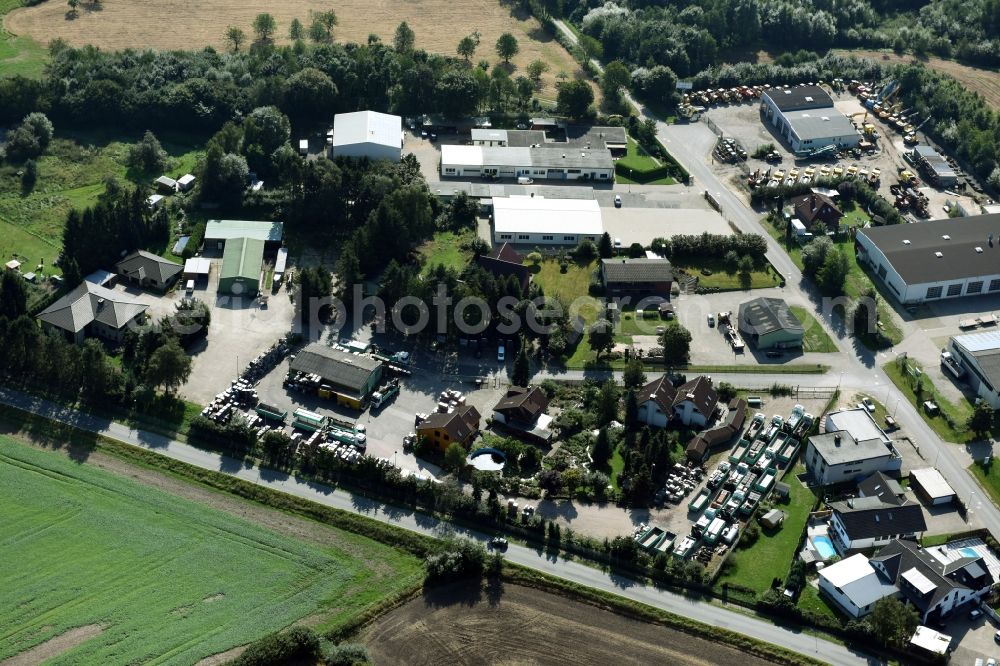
169,580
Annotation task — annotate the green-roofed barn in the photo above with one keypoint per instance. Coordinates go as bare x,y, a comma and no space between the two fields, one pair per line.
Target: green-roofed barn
241,265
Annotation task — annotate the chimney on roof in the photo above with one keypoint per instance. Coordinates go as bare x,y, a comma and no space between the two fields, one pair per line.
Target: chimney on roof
812,202
836,440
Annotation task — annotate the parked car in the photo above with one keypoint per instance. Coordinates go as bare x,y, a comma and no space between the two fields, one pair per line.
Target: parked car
711,321
618,242
497,543
996,637
501,354
868,404
409,441
618,201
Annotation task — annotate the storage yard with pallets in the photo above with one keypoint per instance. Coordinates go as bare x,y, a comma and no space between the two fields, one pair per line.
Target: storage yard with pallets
732,492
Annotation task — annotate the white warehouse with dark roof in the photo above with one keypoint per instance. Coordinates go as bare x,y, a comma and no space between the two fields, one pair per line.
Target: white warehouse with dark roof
935,260
979,354
805,117
566,163
377,136
540,221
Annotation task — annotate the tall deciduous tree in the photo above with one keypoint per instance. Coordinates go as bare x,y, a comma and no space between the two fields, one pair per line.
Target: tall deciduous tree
264,26
507,46
892,621
574,98
169,366
601,337
521,374
981,420
634,376
296,30
466,48
454,457
404,39
676,342
235,37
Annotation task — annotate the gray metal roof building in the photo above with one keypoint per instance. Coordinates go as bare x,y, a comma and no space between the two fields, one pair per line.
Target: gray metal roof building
148,269
769,323
344,370
836,457
935,260
563,163
92,309
367,134
799,97
222,230
979,354
934,165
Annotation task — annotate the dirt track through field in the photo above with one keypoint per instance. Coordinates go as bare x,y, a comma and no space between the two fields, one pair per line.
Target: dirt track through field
528,626
181,24
983,81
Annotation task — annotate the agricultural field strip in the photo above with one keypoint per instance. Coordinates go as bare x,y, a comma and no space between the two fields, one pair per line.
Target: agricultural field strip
80,529
579,573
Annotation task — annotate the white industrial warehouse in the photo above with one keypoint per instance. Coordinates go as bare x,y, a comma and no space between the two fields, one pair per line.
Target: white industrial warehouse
377,136
539,221
567,163
935,260
805,117
979,354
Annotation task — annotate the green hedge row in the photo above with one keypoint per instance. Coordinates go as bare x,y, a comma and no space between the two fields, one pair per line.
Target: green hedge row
648,175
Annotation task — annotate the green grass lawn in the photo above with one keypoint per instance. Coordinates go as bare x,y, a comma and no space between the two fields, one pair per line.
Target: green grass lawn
639,160
617,464
815,338
446,249
989,478
857,281
71,175
720,279
170,580
570,288
810,599
19,55
953,431
771,556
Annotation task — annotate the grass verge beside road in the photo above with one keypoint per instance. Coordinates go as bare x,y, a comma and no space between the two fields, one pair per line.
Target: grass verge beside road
815,338
950,421
164,575
722,280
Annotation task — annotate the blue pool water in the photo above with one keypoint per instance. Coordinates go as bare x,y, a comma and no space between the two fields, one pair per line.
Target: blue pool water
968,552
824,547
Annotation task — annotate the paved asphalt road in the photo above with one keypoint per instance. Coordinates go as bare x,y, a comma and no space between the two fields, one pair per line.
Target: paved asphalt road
710,614
690,144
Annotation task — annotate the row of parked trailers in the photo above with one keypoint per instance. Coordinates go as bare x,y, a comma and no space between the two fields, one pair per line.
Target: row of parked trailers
735,488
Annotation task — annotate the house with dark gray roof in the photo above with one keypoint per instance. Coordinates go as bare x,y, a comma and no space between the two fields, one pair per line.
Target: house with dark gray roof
838,457
691,403
814,208
806,118
935,260
445,428
637,278
936,589
93,311
866,522
768,323
883,487
505,261
702,444
348,377
522,412
149,270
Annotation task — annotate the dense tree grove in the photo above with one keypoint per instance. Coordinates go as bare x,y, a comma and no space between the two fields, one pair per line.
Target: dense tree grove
193,90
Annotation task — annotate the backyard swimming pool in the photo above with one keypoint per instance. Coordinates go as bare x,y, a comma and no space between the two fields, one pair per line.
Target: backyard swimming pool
824,546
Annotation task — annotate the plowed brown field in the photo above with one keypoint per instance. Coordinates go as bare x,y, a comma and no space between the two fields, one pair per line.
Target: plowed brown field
528,626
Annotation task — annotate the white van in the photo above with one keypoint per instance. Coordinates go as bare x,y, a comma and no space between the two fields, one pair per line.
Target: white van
303,146
189,287
524,180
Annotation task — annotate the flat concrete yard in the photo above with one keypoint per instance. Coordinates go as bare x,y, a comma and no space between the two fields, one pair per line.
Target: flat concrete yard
240,330
528,626
642,225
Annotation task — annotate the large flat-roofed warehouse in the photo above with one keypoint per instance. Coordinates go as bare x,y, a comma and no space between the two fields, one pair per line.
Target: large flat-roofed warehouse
979,354
241,266
805,117
217,232
768,323
933,166
563,163
350,377
378,136
538,221
932,261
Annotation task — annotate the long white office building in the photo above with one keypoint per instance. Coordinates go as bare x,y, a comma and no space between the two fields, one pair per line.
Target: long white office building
542,163
540,221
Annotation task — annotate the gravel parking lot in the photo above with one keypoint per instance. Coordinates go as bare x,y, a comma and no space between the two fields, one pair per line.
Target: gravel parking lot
239,331
387,427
